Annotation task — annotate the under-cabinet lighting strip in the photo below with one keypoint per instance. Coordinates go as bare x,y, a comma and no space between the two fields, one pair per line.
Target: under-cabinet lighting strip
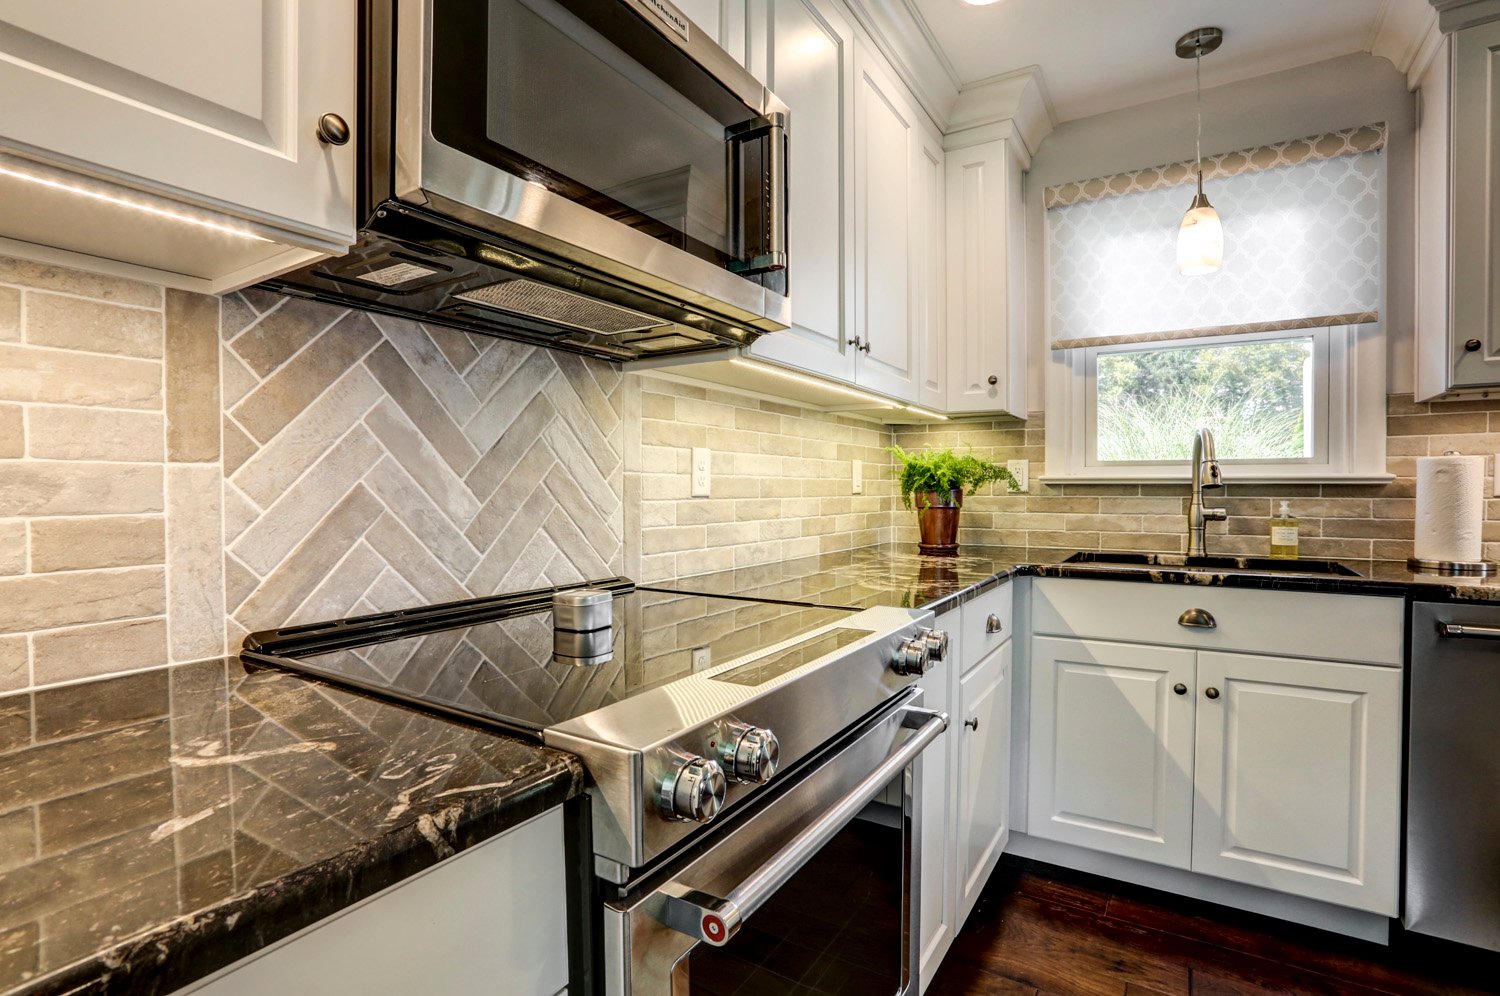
884,403
99,195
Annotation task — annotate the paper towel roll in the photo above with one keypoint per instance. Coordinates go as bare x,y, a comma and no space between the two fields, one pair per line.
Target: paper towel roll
1450,508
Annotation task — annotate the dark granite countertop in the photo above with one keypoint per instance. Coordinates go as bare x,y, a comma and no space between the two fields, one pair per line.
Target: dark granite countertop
158,826
895,574
887,574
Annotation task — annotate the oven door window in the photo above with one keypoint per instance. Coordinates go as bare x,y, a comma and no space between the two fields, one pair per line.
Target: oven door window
835,929
530,88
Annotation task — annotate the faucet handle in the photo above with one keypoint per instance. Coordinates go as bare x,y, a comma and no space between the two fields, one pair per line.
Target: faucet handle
1215,514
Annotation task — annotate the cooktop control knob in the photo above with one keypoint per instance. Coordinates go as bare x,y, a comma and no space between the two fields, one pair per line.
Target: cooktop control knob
913,657
692,790
747,753
937,644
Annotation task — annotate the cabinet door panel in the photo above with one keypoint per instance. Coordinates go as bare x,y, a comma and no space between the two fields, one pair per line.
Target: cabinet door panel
986,314
938,907
1111,748
929,288
1476,173
1298,777
220,101
808,50
984,773
884,137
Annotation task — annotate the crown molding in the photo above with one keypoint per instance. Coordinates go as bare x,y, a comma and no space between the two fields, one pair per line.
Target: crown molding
1012,106
1454,15
1406,34
901,35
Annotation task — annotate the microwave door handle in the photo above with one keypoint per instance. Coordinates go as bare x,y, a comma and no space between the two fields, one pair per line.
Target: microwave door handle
714,920
771,130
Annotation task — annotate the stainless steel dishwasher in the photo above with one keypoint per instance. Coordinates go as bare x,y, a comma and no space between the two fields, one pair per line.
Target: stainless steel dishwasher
1453,774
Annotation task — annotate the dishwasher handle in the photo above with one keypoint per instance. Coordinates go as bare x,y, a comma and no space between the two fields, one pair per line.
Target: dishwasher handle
1465,631
715,920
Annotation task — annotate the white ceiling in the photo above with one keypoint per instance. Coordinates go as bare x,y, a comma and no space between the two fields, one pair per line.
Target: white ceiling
1101,55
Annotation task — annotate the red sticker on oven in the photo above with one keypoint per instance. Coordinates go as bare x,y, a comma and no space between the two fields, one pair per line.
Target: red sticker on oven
713,929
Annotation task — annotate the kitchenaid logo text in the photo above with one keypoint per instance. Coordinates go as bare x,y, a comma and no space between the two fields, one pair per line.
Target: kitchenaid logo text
675,19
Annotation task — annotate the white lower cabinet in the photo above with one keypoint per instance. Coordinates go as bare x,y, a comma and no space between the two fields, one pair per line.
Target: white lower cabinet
1278,772
966,775
1112,748
1297,777
983,731
492,919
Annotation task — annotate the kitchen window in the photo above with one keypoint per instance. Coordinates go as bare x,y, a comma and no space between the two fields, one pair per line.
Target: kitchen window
1280,353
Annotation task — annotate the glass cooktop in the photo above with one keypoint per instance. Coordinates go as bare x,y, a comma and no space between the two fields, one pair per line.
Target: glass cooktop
503,669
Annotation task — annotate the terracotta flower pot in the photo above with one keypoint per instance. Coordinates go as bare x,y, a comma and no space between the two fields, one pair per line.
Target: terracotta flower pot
937,520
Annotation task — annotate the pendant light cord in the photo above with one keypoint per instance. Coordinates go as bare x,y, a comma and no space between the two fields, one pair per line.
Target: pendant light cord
1198,106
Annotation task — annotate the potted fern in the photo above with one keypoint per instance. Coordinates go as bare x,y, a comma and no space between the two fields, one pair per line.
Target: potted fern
933,482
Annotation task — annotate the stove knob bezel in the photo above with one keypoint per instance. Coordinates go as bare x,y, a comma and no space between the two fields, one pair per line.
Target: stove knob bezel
913,657
937,645
748,754
691,790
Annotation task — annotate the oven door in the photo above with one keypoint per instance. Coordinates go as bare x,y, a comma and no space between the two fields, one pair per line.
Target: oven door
811,889
609,133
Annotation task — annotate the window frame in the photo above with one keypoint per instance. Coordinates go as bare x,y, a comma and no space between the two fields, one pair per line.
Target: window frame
1348,409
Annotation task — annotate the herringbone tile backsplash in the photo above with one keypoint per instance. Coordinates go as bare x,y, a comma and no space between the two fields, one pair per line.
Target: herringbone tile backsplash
179,470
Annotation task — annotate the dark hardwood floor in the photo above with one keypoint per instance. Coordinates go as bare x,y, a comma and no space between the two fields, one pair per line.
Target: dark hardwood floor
1045,931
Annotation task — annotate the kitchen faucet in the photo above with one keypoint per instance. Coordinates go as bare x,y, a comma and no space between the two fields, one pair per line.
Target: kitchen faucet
1205,475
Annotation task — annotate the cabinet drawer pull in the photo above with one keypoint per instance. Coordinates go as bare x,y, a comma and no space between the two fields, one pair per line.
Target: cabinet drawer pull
992,624
1197,619
1211,692
972,724
1180,688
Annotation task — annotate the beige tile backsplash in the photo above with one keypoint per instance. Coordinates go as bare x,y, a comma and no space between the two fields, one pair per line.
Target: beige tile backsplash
178,470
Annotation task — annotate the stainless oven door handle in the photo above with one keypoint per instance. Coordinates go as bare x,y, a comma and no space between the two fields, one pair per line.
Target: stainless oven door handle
1459,631
714,920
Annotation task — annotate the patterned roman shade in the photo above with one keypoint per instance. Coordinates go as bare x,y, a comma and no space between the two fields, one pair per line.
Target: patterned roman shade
1302,245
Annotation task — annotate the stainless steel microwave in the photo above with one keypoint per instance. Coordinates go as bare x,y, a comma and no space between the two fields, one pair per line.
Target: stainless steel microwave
591,175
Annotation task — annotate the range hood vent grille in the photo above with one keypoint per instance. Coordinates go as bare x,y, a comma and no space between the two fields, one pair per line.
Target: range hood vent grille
551,304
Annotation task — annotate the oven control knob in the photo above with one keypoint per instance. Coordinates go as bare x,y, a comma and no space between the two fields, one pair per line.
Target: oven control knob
692,790
913,657
937,644
747,753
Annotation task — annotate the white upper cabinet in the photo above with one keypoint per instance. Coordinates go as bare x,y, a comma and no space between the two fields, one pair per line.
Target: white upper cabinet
206,110
1297,786
886,142
986,269
806,49
1458,246
930,256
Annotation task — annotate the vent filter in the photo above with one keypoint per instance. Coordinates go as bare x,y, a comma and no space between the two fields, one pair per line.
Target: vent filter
550,304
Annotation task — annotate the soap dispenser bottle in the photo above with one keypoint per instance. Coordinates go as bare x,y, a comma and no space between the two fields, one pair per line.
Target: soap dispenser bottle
1284,534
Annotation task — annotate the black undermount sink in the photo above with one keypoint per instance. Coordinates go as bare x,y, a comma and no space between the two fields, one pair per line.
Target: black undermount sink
1211,565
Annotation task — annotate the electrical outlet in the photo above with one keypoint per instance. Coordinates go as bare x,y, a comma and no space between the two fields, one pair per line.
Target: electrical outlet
702,480
857,487
1495,488
1021,471
702,659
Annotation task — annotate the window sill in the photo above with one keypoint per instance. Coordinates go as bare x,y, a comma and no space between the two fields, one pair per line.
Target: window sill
1230,478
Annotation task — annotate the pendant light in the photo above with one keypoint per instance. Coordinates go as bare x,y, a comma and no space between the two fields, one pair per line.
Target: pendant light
1200,239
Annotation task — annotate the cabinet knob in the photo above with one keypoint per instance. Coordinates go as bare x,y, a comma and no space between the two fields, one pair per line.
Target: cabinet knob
333,130
972,724
864,347
1211,692
992,624
993,380
1198,619
1180,688
1472,345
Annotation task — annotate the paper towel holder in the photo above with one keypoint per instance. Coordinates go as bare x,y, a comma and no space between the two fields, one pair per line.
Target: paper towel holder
1452,568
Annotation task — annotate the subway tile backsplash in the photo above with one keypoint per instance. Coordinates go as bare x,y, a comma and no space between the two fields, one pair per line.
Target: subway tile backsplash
178,470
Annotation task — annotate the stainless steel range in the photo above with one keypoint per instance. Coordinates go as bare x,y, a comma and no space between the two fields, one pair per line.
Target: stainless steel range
745,758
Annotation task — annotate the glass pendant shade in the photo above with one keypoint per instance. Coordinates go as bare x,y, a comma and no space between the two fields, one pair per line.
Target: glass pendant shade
1200,239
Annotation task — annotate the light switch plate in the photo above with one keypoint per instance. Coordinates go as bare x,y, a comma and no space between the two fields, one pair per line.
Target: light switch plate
1021,471
857,487
702,480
